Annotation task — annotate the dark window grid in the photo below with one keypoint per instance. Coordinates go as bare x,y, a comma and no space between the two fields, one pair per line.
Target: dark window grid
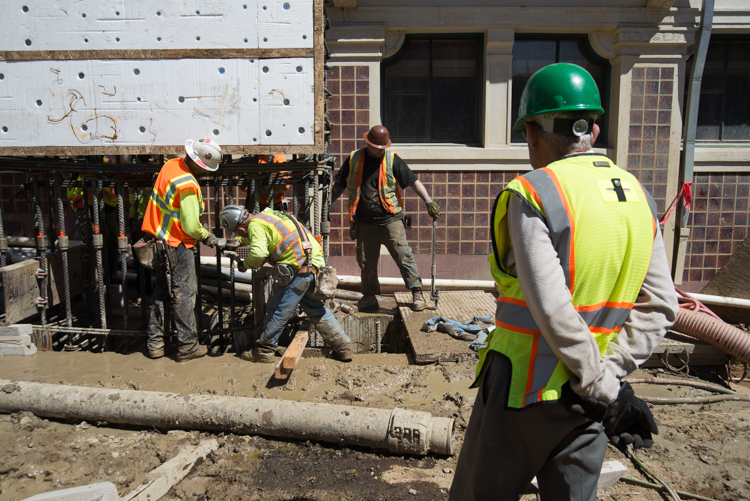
428,95
715,96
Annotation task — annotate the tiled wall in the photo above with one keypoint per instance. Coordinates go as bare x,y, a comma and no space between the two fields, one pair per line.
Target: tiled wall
650,119
348,108
719,223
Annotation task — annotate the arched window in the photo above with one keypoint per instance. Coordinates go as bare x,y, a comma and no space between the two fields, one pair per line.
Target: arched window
531,53
432,89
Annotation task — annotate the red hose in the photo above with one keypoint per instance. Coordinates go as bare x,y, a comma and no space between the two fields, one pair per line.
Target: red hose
715,332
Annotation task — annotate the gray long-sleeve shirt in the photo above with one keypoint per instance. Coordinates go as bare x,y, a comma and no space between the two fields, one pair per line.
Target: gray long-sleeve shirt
542,282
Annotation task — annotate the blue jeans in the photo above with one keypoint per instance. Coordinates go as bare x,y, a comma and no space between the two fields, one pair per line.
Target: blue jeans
282,303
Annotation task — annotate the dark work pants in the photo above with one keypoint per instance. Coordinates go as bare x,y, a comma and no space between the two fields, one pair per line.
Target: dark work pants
505,448
393,236
185,288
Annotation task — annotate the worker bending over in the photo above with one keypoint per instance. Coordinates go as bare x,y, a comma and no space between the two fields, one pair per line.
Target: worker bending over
586,297
373,176
273,236
172,216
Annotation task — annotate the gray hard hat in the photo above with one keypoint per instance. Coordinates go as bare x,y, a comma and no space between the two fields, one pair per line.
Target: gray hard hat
232,216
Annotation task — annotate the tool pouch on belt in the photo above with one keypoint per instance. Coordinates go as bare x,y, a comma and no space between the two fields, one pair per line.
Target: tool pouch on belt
147,254
282,275
407,222
326,282
353,230
170,256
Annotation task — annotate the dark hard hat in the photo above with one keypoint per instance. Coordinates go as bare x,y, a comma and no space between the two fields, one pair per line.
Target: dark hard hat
378,137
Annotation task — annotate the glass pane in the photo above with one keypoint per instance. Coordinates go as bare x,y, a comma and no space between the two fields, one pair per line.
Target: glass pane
407,117
532,55
709,117
413,71
453,105
570,52
737,113
713,71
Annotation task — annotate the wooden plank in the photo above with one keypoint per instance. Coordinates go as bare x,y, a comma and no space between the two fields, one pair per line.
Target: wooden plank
20,290
160,481
292,354
73,55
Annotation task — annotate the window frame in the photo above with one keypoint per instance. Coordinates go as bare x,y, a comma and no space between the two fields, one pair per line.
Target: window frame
590,54
723,38
479,111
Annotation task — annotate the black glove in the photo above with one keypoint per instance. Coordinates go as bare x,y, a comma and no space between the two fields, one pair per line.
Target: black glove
234,257
590,408
629,420
433,209
210,239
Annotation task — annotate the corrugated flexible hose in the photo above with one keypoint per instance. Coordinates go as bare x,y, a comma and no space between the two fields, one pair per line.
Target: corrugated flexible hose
715,332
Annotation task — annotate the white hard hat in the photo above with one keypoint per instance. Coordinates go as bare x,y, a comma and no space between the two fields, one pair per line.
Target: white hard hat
205,152
232,216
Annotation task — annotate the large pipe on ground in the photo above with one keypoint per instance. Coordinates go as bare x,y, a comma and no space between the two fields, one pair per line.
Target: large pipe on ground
399,431
715,332
442,283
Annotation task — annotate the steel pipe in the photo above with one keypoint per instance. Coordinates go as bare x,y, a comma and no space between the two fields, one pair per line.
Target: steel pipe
398,430
441,282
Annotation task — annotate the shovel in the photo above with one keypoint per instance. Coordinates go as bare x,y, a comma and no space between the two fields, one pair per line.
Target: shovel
434,294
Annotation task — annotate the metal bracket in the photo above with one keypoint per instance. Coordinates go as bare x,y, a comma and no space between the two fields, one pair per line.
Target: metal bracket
122,244
41,274
63,243
41,302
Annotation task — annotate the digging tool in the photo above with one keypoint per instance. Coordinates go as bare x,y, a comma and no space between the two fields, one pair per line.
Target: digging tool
434,294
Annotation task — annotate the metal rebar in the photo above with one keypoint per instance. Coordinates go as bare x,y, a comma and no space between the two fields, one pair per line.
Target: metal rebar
307,203
40,249
295,202
316,205
378,336
122,239
62,247
270,190
3,244
218,233
325,223
105,247
86,237
256,198
98,244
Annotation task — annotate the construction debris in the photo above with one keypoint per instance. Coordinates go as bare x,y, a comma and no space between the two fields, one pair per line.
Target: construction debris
15,340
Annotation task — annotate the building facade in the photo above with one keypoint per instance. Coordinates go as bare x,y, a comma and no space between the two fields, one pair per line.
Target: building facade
446,77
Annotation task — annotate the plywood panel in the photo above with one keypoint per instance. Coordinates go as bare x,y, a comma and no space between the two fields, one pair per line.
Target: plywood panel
20,290
161,24
156,102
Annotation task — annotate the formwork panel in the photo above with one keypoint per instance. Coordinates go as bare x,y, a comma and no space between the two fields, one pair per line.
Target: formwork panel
131,102
162,24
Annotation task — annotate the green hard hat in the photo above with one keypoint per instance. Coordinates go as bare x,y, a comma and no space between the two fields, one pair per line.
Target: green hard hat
558,87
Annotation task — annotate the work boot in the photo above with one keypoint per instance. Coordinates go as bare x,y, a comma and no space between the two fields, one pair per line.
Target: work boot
198,352
343,353
368,302
417,300
263,354
156,352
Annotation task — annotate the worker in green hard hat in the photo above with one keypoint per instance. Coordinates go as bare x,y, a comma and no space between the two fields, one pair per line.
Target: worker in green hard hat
586,296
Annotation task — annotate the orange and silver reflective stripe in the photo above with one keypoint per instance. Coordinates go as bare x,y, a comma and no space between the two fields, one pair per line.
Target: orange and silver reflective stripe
289,238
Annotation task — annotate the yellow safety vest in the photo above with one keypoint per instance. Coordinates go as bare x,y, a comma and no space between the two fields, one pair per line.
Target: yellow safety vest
75,196
286,244
388,188
602,224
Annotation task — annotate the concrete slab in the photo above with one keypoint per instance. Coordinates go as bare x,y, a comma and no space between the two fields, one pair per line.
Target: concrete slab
102,491
431,347
11,350
611,473
16,330
16,340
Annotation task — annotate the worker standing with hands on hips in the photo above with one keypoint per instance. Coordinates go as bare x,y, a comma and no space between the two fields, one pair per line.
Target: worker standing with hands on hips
274,236
173,217
375,176
586,297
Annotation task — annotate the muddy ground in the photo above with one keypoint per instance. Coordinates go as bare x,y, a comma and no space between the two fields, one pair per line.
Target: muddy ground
703,449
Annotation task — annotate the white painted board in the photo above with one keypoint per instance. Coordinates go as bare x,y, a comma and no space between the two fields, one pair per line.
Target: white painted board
156,102
78,25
